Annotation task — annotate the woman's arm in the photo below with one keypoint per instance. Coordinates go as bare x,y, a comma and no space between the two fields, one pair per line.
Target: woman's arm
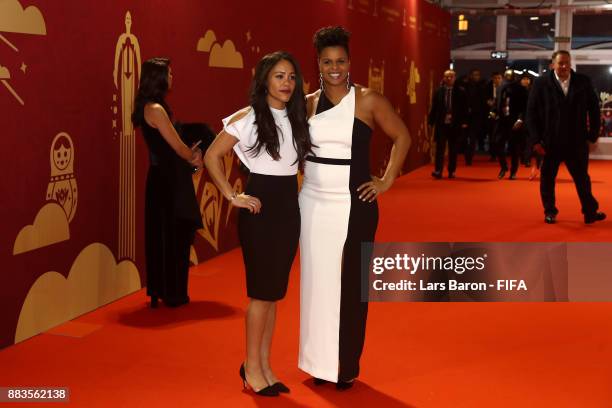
157,117
389,121
213,159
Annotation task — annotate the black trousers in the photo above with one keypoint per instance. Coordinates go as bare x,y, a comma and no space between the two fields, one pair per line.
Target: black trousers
505,134
473,136
446,134
577,162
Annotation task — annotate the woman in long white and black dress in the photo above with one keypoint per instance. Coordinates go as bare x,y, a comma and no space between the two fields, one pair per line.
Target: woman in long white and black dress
339,211
271,138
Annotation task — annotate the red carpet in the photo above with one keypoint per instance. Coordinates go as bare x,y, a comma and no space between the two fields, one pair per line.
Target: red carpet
416,355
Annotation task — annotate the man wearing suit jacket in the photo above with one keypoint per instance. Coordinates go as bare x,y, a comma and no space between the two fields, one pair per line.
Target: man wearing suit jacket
449,115
562,119
510,112
491,91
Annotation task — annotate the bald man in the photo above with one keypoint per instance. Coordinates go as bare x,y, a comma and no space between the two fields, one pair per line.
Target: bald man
449,115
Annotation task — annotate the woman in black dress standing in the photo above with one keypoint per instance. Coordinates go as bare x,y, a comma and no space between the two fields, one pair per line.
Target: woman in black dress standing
271,139
171,213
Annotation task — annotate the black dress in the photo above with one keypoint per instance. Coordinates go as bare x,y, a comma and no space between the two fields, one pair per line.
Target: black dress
171,218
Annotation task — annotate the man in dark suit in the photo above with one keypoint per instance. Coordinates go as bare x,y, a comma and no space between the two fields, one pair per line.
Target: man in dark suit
562,119
491,90
510,113
477,115
449,115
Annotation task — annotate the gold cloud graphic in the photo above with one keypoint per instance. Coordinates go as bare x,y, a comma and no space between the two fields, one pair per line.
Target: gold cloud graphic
14,19
50,227
4,73
206,42
95,279
225,56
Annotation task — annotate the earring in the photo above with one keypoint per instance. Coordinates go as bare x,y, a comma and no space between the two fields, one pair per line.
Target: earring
348,81
321,81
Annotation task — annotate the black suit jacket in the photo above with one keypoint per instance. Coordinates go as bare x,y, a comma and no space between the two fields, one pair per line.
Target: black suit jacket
516,94
543,110
459,105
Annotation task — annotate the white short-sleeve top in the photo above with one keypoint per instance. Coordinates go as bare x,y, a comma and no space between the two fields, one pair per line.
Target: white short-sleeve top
245,130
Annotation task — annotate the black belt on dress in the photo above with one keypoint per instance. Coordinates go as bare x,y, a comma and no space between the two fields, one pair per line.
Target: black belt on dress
327,160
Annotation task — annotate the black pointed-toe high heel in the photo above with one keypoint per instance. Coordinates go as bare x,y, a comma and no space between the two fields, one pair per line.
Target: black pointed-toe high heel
268,391
154,301
281,388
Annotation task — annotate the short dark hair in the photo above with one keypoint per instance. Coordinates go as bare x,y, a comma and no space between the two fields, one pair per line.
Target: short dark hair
495,73
331,37
560,52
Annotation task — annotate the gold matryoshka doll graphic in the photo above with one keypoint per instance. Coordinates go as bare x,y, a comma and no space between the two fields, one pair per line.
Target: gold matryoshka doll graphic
62,184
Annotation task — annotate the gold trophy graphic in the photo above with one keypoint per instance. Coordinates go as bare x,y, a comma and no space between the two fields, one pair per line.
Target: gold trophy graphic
126,75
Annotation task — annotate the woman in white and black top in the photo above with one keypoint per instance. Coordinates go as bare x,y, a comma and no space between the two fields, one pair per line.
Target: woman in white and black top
271,138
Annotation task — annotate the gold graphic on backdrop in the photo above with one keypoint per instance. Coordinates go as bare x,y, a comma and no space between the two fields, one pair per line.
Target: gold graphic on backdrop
5,75
225,56
50,226
413,79
376,77
62,184
220,56
205,43
212,204
15,19
94,280
23,67
412,22
126,74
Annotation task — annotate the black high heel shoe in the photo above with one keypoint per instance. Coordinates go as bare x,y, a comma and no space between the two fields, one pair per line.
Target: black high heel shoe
154,300
344,385
280,387
268,391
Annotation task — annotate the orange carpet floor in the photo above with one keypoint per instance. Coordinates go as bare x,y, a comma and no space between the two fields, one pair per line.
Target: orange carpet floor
416,354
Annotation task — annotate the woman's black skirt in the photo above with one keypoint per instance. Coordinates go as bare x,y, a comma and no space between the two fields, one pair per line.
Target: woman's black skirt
270,239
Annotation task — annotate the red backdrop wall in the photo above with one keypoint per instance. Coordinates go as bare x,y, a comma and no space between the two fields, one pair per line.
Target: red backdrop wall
62,81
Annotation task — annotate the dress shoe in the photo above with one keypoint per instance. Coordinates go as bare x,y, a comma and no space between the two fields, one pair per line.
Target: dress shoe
451,175
550,219
591,218
264,392
436,174
154,302
280,387
344,385
501,174
512,176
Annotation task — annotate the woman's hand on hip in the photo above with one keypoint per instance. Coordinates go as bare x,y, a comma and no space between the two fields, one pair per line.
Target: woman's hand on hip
246,201
372,189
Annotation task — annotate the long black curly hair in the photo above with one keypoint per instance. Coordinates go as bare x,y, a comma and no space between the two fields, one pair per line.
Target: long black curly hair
267,131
